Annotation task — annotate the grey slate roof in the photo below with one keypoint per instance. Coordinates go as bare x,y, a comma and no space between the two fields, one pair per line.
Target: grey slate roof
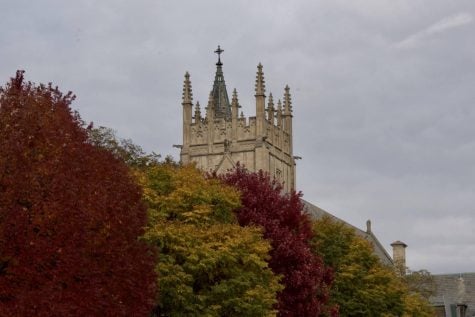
317,212
453,289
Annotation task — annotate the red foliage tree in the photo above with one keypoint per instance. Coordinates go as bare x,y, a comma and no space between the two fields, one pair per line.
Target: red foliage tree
305,278
70,215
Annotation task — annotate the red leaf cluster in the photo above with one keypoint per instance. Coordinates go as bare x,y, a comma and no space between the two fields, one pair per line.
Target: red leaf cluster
305,278
70,215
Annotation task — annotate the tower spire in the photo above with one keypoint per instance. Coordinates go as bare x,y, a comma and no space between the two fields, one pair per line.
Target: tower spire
235,97
287,101
260,82
261,128
187,91
222,107
187,112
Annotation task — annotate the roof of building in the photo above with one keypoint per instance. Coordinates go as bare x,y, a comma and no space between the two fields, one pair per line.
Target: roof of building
453,289
379,250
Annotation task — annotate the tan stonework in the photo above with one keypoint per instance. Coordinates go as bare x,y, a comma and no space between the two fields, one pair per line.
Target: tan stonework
399,256
222,138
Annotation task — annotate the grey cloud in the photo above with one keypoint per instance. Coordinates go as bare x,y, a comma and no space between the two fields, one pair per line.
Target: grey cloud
385,128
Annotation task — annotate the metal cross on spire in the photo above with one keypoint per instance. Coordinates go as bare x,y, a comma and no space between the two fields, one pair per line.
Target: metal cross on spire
219,51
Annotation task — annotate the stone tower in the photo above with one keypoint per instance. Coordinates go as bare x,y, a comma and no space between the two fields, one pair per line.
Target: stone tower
221,138
399,257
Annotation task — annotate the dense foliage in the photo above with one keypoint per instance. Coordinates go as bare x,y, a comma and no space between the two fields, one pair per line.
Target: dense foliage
76,238
363,286
208,264
70,215
289,230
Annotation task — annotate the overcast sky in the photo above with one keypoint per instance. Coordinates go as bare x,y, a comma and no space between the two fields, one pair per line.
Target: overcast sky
383,94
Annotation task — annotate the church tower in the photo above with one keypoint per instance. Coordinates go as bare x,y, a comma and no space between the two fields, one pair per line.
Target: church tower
221,138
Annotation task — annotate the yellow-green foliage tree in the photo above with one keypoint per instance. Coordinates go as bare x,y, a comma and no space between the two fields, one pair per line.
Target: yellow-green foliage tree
362,285
208,265
415,305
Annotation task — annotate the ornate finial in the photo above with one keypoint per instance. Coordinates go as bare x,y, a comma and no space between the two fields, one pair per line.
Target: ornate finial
235,102
197,112
287,101
270,108
187,92
242,114
260,82
210,107
279,113
271,102
219,51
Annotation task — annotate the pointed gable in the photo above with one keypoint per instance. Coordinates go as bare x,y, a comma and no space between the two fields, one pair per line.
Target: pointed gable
225,164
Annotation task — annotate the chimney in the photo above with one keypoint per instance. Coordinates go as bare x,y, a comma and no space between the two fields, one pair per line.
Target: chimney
399,256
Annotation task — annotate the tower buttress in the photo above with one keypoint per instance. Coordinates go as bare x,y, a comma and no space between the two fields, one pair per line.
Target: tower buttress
279,113
288,110
288,117
234,115
270,116
260,102
262,152
187,111
280,123
288,128
210,120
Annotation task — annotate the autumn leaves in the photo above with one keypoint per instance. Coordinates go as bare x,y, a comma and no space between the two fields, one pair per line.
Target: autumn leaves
93,226
70,215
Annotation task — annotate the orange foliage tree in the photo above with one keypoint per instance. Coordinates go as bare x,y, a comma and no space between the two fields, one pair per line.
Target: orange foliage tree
70,215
